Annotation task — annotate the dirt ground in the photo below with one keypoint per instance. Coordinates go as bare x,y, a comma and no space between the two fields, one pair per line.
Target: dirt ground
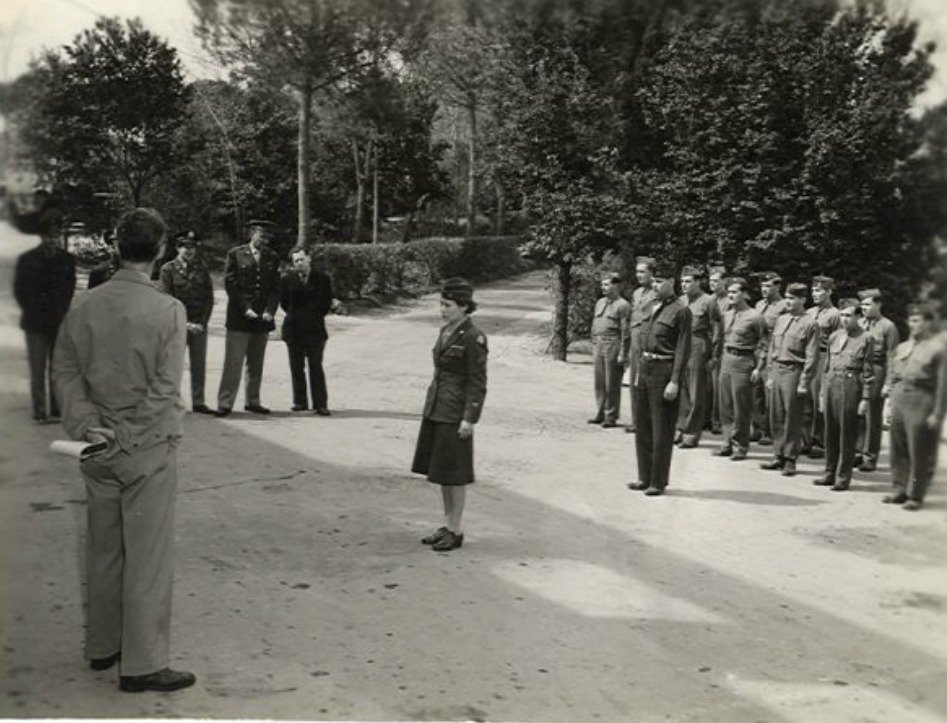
302,591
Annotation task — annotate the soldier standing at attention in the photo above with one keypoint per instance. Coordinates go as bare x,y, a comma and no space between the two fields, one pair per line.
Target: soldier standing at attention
792,358
828,320
718,294
641,300
187,279
884,339
917,381
611,340
251,277
665,346
845,390
743,332
693,406
770,307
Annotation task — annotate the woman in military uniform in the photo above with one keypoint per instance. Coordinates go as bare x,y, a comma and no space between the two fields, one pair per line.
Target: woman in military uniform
454,401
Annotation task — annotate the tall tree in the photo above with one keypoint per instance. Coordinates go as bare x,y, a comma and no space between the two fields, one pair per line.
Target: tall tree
107,109
309,46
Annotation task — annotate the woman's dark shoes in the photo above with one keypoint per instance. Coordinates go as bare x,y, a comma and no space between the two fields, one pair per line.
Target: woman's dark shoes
105,663
435,536
450,541
895,499
164,680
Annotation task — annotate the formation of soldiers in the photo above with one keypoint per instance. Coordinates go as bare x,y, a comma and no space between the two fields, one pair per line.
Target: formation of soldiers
802,381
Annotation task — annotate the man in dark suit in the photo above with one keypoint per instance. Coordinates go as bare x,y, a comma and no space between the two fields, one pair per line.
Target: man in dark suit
43,283
252,280
187,279
306,299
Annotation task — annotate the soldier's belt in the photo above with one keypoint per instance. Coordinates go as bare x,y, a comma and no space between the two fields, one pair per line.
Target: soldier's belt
651,356
738,351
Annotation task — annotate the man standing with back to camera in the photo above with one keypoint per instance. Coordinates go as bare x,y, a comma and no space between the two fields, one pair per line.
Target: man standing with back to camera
118,367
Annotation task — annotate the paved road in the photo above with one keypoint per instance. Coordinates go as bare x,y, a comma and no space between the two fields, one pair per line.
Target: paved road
302,590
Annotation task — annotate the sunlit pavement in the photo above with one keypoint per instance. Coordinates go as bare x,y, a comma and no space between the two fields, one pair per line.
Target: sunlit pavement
302,591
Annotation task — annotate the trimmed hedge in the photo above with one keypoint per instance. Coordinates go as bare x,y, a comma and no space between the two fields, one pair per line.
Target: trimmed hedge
360,270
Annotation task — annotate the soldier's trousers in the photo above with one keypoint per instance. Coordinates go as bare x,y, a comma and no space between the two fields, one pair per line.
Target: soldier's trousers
197,358
240,347
913,443
843,392
693,406
39,352
761,404
736,398
813,422
714,375
608,374
785,412
633,363
130,556
654,439
869,431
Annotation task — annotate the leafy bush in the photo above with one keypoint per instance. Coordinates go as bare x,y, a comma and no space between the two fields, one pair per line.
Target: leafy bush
360,270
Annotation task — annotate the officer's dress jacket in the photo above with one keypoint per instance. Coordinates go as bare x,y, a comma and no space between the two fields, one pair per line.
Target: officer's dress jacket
460,376
43,283
251,285
189,282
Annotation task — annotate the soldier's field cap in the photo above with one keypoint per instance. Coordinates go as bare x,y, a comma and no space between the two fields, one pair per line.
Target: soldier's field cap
869,294
459,291
186,239
662,270
771,277
823,282
693,271
260,224
798,290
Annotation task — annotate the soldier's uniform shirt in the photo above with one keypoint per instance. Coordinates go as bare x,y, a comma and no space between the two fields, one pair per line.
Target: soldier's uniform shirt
642,299
666,333
770,310
829,320
612,319
795,340
792,359
455,394
695,406
917,378
883,336
884,339
743,330
189,282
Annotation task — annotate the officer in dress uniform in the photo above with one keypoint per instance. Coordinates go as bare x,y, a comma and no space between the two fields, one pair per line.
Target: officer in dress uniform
845,389
252,280
917,388
718,295
744,330
694,409
827,318
641,301
187,279
611,340
665,339
884,339
791,360
770,306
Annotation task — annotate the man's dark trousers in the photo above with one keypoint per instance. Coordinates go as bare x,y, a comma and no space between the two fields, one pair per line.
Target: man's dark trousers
813,422
761,404
608,374
785,412
869,428
39,351
913,442
693,404
654,421
843,392
736,398
197,358
299,354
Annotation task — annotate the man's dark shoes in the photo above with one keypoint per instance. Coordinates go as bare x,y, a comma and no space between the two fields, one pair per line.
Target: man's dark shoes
202,409
858,461
765,440
257,409
738,455
223,412
435,536
688,442
911,505
164,680
840,486
299,408
815,452
595,420
629,429
755,435
789,468
608,424
867,466
826,480
638,486
450,541
895,499
775,463
323,412
678,437
714,429
654,491
723,452
105,663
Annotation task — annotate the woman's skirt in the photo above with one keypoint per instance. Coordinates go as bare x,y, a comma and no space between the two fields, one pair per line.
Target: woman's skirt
444,457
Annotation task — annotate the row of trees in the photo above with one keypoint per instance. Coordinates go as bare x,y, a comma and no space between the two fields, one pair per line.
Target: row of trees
758,133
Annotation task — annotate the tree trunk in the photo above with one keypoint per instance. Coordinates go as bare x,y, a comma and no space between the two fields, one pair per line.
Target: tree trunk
560,332
500,227
471,169
375,199
305,121
361,174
